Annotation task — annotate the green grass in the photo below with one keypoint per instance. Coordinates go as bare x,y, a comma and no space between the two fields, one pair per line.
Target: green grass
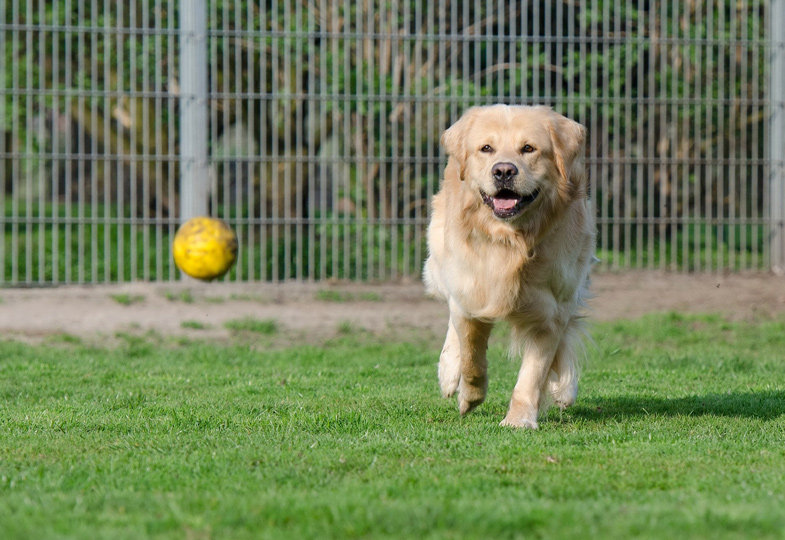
346,328
48,248
679,432
127,299
252,325
194,325
329,295
695,247
41,244
326,295
185,296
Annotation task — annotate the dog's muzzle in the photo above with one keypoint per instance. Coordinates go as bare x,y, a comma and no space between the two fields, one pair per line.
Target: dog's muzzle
507,203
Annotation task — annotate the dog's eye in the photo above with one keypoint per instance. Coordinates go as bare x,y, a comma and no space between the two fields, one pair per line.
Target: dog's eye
527,149
487,149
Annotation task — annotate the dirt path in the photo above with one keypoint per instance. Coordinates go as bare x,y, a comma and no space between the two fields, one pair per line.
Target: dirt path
317,311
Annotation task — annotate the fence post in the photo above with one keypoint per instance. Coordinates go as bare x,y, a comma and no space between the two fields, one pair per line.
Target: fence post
194,176
777,135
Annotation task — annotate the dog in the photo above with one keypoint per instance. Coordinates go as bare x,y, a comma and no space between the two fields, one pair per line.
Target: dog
512,237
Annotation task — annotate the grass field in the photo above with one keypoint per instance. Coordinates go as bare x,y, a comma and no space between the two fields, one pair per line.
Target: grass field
679,432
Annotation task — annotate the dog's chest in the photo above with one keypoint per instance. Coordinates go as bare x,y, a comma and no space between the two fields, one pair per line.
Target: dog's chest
487,279
495,281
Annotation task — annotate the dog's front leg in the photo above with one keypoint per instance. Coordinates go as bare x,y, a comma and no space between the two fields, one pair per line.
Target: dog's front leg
472,337
450,362
538,354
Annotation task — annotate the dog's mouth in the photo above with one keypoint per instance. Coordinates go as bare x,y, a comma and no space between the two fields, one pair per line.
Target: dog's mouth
506,203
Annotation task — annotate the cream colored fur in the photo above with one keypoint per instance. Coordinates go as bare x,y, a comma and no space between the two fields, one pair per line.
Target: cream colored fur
531,270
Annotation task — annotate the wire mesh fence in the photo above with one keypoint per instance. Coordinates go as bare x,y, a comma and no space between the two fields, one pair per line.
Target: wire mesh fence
315,135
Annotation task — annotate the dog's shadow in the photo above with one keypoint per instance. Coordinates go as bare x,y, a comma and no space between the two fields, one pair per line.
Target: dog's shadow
764,405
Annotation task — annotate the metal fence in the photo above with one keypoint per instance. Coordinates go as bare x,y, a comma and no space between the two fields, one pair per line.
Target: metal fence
312,128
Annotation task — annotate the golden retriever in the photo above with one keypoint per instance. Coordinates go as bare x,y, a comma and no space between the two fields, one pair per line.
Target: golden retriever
512,237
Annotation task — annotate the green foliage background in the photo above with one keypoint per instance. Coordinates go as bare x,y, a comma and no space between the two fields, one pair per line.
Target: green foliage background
324,119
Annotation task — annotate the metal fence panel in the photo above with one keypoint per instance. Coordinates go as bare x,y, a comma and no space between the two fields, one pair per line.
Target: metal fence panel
321,122
777,136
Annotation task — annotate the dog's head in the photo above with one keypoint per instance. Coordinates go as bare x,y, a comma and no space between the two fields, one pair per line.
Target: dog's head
516,158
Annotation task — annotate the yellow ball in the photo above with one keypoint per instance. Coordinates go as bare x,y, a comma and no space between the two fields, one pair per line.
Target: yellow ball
204,248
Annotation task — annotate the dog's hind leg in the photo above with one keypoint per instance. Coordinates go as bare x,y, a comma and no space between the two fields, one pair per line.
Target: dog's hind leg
539,351
563,383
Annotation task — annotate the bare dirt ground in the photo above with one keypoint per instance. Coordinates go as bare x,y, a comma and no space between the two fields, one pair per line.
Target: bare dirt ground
314,312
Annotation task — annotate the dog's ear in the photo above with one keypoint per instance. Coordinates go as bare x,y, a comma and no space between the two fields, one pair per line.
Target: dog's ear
569,142
453,139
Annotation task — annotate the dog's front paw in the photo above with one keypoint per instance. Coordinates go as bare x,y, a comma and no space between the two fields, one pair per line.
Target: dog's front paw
519,423
470,396
449,377
449,366
465,406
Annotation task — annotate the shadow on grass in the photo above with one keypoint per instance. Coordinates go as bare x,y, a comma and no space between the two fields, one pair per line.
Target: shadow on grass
765,405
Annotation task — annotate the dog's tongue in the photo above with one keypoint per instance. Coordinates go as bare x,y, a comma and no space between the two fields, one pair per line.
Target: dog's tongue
503,204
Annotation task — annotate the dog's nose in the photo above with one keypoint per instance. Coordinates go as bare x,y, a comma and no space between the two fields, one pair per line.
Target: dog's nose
504,172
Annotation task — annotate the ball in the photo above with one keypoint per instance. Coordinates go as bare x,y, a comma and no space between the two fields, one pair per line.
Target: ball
204,248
